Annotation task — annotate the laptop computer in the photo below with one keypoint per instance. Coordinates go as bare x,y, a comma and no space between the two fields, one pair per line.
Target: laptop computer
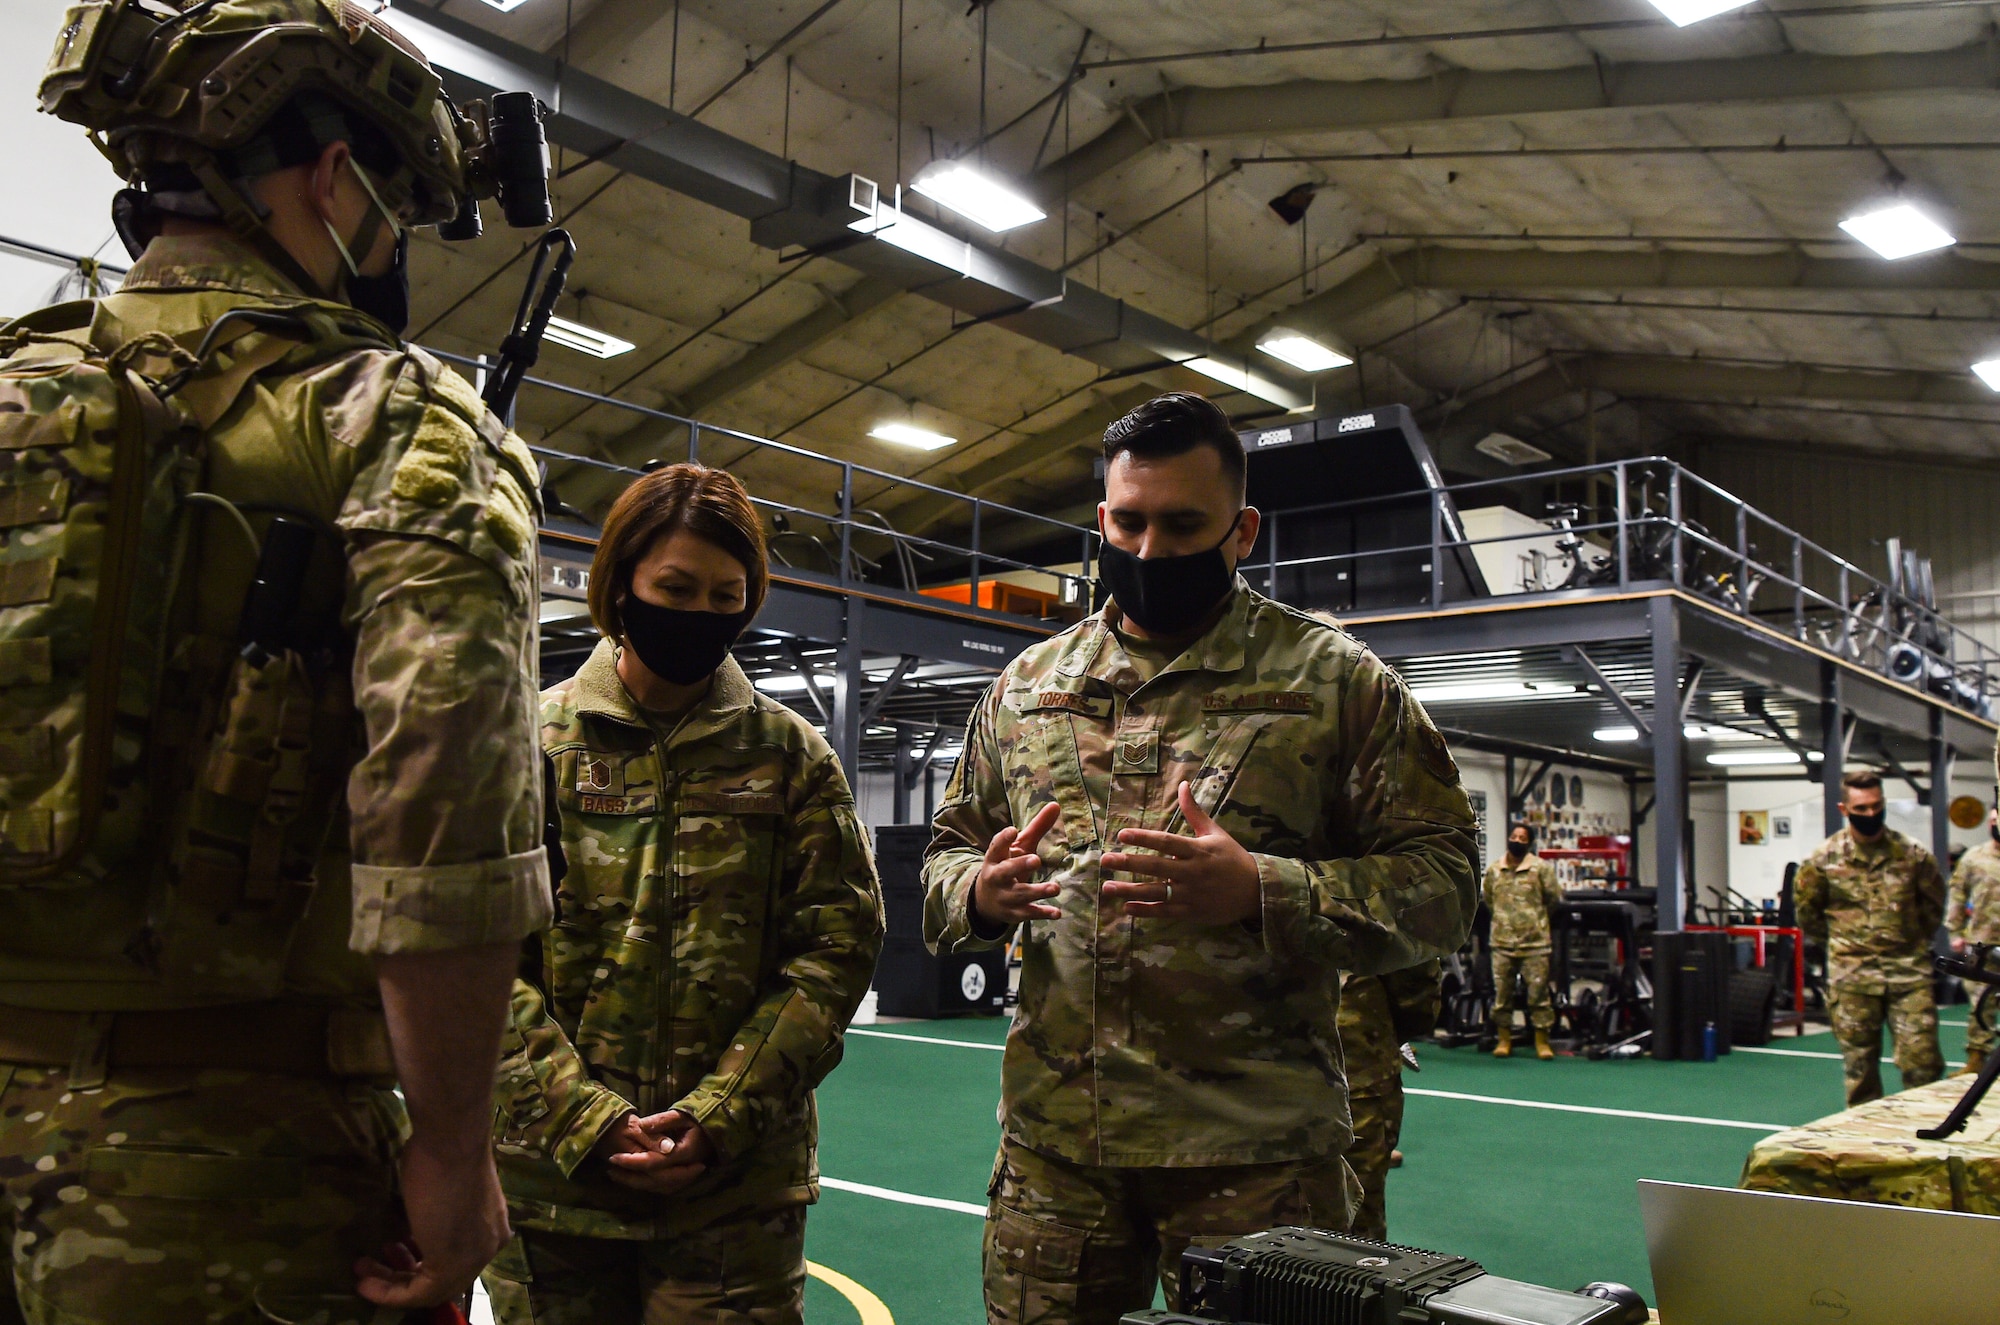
1722,1256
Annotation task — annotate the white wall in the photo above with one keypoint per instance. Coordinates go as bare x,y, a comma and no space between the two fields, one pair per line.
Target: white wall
60,188
1758,872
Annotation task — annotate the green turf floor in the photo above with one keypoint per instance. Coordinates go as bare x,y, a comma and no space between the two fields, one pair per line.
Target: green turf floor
1534,1194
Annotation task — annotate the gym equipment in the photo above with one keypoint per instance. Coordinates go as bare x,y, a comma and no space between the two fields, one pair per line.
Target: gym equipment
910,980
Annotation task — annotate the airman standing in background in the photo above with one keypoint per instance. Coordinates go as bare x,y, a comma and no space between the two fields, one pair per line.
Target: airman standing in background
1520,890
1875,899
1379,1014
1973,916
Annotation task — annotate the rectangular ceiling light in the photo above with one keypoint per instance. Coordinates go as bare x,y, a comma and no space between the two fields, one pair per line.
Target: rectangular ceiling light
1681,12
903,434
1758,757
1239,377
1898,231
975,195
1302,352
1694,731
1480,690
506,6
1988,371
587,340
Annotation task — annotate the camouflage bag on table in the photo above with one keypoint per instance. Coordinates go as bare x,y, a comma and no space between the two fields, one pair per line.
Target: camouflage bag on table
132,747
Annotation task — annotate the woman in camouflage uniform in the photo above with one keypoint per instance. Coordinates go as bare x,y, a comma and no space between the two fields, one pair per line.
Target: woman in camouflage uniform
716,930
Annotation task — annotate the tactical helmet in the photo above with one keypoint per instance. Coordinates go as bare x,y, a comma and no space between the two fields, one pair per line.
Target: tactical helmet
198,87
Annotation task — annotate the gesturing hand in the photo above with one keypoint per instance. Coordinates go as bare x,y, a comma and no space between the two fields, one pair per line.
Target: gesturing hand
659,1154
1207,878
1006,891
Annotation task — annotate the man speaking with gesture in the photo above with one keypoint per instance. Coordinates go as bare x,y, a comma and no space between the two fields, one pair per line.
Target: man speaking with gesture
1200,806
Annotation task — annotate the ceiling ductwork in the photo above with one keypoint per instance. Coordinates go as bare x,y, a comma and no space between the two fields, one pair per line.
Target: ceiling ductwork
792,207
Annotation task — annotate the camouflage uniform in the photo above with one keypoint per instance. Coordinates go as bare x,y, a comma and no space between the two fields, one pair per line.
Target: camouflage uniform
1378,1015
1876,906
1156,1066
1973,914
717,929
258,1163
1873,1153
1520,898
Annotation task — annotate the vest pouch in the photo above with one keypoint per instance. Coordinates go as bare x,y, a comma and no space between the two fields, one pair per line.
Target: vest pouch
257,818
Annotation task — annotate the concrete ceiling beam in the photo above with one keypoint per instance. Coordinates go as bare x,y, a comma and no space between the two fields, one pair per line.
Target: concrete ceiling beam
644,439
1310,106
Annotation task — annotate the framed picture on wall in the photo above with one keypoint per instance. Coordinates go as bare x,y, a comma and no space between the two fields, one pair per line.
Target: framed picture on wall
1781,825
1753,827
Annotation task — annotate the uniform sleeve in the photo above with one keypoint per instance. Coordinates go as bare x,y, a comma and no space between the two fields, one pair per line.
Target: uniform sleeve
445,801
1927,885
1486,886
546,1101
1809,899
1408,892
1552,892
1416,997
829,937
1959,900
975,807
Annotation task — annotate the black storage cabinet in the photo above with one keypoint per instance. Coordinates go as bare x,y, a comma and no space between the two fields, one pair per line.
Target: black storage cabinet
909,980
1691,988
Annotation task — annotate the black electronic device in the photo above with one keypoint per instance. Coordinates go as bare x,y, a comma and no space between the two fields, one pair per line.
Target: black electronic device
1303,1276
1359,488
1979,963
911,980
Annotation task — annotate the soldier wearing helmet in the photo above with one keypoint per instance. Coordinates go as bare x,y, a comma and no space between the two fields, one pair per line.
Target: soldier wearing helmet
200,1049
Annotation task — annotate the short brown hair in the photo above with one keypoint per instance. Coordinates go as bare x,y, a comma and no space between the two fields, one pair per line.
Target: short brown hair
1175,424
708,503
1862,779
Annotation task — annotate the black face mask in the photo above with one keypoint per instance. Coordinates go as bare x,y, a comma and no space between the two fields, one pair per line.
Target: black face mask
1995,830
1517,849
1167,595
1866,824
677,646
386,298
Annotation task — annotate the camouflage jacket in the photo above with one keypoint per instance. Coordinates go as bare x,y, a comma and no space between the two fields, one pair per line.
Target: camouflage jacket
440,843
1520,898
1876,906
1165,1042
718,926
1974,909
1381,1013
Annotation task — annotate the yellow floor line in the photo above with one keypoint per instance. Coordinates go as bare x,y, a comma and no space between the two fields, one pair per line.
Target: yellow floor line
868,1306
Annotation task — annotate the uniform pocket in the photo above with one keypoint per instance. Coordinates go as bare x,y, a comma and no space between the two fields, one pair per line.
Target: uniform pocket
1034,1269
189,1174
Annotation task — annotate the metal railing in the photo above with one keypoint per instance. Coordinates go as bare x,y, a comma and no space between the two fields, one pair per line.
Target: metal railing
1641,521
854,544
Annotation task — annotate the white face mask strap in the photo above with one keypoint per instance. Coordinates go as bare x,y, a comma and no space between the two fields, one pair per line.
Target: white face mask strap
368,187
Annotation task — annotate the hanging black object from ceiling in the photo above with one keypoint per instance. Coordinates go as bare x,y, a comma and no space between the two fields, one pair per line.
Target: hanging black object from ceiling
1292,203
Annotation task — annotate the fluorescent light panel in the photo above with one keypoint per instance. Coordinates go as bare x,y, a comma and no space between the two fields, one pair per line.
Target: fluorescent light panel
1694,731
1681,12
1303,352
506,6
1484,690
1898,231
975,195
904,434
1237,376
1988,371
1773,758
586,340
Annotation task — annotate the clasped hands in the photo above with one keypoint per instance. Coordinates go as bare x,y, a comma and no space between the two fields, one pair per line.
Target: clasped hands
1207,878
660,1154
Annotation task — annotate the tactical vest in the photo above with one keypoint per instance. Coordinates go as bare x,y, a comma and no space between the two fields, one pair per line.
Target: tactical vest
140,749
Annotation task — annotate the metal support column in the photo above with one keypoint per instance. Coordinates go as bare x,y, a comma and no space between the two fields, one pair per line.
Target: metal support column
899,800
844,732
1669,764
1832,745
1941,757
